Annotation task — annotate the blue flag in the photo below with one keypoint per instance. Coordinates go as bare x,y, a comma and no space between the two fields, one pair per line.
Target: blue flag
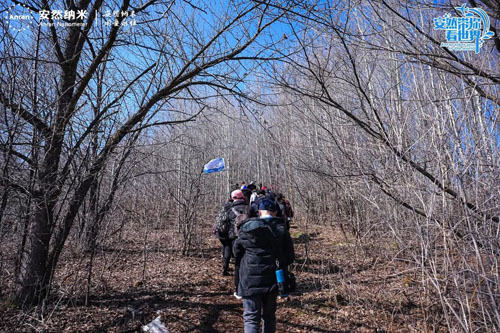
215,165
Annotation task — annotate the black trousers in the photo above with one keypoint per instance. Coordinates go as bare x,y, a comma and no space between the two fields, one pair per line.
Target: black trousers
227,252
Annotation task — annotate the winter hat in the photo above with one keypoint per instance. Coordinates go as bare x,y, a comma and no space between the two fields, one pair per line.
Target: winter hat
237,195
268,205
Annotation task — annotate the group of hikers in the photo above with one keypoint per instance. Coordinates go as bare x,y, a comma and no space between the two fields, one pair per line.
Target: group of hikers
253,227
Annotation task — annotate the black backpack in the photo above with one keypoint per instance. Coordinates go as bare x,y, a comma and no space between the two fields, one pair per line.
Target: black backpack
222,223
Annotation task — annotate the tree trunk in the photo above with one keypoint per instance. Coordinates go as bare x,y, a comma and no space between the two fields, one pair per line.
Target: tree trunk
34,279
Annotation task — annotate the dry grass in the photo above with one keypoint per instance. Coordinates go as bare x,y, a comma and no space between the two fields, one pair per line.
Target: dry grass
341,288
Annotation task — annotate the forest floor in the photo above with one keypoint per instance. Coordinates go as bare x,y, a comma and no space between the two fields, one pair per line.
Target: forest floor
342,287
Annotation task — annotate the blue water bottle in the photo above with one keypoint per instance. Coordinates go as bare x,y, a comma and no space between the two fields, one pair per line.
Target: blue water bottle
280,277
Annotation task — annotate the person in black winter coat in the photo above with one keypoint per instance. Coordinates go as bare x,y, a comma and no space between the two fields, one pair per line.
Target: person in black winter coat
236,204
263,246
238,213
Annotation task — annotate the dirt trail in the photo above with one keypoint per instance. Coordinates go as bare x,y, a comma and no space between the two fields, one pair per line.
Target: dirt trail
340,290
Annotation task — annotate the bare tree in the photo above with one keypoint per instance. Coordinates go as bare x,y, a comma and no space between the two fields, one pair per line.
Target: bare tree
129,78
393,117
